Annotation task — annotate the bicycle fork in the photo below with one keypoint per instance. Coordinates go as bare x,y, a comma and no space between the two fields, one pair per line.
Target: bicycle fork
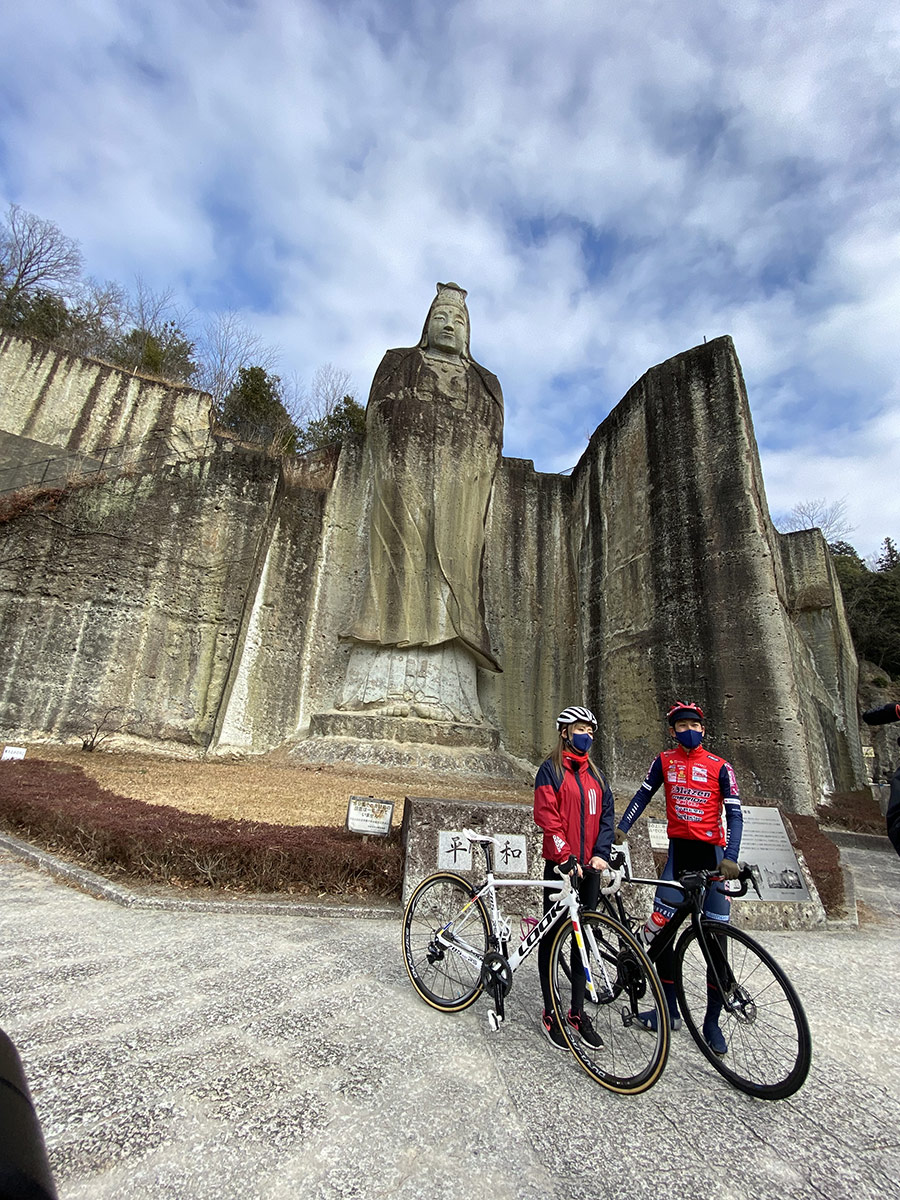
579,941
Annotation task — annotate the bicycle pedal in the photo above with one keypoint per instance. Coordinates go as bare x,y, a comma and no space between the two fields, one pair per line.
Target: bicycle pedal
494,1021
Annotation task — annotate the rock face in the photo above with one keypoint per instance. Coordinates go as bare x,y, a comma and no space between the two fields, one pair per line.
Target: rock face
81,405
212,596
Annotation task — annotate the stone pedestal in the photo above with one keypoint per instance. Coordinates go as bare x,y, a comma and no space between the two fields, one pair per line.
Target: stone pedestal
443,747
425,819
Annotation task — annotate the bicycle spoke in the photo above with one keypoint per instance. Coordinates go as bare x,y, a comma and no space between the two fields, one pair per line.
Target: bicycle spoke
440,913
631,1057
762,1020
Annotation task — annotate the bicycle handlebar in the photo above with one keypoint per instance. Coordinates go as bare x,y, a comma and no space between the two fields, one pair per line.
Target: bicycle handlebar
690,881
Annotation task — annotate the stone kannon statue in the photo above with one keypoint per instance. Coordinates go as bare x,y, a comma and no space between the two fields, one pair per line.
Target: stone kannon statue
434,432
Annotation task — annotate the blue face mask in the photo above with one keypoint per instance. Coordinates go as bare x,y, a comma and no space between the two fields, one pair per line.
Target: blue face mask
581,742
690,738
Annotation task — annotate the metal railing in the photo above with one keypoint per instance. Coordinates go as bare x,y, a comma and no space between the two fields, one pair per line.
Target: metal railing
77,466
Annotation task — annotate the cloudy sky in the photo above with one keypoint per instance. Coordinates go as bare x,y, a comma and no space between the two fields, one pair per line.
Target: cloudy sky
612,183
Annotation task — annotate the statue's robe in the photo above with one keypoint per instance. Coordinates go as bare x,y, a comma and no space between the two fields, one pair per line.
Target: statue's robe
434,433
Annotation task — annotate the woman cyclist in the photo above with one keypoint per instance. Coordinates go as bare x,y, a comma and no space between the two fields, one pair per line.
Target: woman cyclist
573,805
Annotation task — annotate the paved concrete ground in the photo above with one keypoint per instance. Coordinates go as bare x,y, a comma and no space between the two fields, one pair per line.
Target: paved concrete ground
185,1054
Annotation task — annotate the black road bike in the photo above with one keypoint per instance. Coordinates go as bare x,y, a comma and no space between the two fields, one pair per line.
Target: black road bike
762,1019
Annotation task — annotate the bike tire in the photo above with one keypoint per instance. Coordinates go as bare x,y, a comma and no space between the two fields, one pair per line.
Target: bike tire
446,903
769,1044
632,1057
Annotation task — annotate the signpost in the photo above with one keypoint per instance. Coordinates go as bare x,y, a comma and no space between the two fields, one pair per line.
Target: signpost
370,817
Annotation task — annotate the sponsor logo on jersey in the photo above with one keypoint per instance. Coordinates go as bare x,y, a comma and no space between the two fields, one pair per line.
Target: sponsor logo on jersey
592,797
558,842
698,774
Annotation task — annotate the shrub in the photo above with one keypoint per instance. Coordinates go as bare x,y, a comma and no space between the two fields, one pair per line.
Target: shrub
62,808
823,859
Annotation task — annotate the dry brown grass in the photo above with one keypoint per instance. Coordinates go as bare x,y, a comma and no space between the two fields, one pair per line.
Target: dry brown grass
267,789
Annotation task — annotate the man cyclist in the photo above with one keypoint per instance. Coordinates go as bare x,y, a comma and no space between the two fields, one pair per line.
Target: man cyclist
883,716
698,785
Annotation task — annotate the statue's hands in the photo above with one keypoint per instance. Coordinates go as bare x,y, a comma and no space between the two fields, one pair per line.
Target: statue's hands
729,868
620,837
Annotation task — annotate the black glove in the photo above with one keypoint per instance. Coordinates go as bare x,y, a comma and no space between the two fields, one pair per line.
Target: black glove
620,837
570,865
882,716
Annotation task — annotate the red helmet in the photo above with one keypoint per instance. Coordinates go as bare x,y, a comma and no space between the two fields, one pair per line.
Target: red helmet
682,710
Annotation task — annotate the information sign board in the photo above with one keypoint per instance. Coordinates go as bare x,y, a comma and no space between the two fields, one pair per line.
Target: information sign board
369,816
659,838
766,845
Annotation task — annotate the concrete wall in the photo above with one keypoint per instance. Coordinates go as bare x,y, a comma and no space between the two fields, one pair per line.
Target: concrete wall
680,570
824,661
131,593
531,603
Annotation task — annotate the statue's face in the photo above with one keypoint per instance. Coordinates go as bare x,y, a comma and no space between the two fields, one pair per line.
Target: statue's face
447,329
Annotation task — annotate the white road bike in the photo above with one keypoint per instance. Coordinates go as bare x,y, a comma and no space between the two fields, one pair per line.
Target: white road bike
456,945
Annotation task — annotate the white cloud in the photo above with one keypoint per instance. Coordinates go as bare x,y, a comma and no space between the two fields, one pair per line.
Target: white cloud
320,166
862,469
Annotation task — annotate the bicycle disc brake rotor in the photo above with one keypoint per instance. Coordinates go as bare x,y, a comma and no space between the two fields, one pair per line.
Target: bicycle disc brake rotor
742,1005
496,970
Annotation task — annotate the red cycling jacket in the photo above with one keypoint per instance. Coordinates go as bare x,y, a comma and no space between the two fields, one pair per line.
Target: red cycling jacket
576,813
698,785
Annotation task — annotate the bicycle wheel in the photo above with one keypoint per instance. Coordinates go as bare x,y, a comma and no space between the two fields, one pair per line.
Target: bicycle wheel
446,934
762,1020
634,1051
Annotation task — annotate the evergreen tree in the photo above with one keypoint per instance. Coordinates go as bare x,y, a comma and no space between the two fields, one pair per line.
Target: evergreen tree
347,417
164,352
872,603
889,558
39,314
254,410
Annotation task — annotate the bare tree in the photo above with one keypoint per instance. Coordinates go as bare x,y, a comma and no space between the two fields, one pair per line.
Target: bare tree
831,519
330,386
158,342
153,310
99,319
226,344
116,719
35,253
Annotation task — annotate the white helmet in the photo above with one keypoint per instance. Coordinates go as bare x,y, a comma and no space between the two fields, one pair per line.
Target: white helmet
569,716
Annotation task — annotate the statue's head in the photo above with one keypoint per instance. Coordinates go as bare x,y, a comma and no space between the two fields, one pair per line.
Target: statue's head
447,325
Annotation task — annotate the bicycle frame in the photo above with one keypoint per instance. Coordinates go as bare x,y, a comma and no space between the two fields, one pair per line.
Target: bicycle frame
500,965
690,907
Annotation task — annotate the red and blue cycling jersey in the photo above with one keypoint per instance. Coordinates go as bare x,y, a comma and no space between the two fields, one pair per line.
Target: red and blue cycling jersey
698,786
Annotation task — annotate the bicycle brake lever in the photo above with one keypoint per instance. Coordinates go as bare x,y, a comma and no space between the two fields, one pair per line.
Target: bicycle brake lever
747,874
